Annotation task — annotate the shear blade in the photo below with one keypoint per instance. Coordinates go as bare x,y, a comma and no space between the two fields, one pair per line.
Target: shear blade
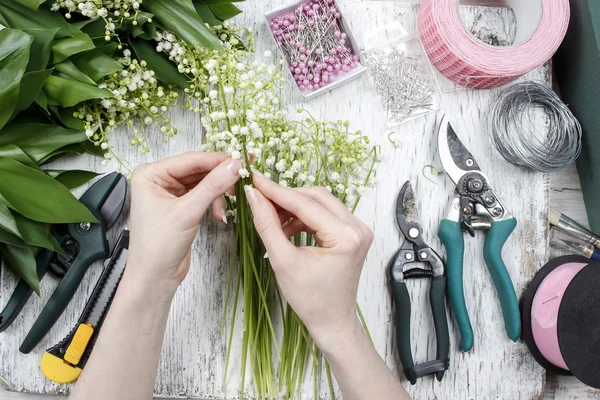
456,159
407,215
111,209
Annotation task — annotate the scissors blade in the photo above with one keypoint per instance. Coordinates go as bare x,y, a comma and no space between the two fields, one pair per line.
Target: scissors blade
407,215
456,159
112,206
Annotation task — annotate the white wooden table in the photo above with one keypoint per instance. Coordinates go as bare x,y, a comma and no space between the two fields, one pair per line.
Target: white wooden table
192,360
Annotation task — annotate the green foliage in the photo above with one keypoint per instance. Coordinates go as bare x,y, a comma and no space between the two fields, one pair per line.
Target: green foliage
53,64
181,18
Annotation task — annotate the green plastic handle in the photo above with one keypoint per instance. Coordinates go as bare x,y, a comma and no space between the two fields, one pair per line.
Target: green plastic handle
93,247
437,297
451,235
402,301
492,254
60,298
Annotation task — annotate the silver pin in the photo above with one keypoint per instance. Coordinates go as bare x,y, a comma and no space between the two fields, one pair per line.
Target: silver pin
405,90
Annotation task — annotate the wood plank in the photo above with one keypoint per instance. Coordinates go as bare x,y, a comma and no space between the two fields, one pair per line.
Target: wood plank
193,353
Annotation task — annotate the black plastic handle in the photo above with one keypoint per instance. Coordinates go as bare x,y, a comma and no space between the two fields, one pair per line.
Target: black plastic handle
437,297
23,291
62,295
403,310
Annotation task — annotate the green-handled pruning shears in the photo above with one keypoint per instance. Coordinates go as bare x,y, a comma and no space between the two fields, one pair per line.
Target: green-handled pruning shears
474,206
402,268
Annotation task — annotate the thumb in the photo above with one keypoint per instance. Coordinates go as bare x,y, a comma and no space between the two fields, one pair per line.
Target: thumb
214,185
268,226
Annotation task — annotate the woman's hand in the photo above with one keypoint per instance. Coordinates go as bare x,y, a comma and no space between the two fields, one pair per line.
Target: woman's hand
168,199
320,283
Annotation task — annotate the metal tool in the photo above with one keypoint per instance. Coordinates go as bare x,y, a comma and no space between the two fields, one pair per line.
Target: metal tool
402,268
474,205
83,243
64,362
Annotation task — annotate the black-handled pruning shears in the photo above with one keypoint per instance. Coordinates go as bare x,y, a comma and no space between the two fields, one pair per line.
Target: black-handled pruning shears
474,205
402,268
64,362
84,244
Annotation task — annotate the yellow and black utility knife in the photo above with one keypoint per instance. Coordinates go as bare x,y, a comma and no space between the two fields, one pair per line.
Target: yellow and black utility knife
64,362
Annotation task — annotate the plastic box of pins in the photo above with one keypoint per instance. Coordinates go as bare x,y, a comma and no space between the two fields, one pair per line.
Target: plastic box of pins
400,74
318,47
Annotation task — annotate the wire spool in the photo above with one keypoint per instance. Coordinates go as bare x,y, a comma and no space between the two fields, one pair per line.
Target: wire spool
519,138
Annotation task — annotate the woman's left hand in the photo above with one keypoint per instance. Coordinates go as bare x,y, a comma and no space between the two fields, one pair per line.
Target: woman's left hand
168,199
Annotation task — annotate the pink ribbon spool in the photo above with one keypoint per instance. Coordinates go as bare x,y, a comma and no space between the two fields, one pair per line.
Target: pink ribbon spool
467,61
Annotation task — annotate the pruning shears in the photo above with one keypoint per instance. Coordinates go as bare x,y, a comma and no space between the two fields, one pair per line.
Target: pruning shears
64,362
84,243
402,268
474,206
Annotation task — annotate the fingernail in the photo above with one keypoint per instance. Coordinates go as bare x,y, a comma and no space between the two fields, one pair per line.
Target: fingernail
250,195
224,215
233,166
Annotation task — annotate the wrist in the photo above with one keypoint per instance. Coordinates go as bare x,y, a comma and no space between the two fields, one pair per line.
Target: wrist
339,338
143,289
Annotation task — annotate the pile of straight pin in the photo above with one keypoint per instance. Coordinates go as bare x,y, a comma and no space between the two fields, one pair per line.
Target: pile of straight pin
404,85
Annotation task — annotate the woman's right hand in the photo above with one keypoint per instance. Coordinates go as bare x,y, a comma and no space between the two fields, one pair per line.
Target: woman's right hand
320,283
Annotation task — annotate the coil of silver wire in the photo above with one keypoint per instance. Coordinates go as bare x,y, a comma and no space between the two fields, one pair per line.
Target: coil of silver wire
520,137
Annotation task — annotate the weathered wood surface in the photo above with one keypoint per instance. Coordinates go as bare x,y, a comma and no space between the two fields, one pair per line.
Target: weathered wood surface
193,353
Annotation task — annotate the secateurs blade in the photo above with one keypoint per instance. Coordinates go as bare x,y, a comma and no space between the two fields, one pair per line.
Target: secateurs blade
402,268
474,205
64,362
83,243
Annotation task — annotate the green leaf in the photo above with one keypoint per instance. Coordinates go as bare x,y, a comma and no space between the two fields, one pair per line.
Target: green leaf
67,92
42,101
37,233
69,69
91,148
41,47
149,32
39,141
31,85
206,14
72,149
16,153
95,28
22,261
17,16
64,48
181,18
108,48
7,221
96,64
224,10
37,196
14,55
71,178
32,4
65,115
159,63
9,238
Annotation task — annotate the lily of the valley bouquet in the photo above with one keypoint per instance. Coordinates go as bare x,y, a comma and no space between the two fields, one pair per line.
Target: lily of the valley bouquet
111,63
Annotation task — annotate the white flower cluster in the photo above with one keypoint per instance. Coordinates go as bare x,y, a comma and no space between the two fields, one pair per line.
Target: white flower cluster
242,115
136,96
114,12
192,60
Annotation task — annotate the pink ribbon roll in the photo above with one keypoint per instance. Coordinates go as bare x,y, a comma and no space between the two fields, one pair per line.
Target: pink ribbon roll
467,61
